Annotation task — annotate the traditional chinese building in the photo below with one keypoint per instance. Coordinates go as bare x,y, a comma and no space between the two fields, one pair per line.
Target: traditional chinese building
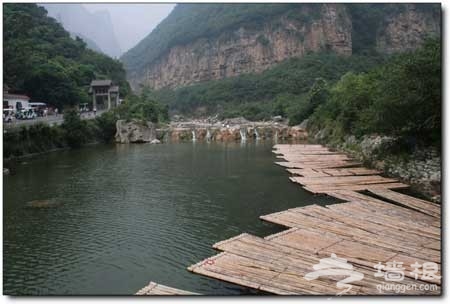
105,95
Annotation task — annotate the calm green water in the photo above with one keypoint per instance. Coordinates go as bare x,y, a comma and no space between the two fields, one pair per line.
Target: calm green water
129,214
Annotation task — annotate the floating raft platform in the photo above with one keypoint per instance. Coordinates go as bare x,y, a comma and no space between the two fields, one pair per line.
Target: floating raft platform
155,289
374,224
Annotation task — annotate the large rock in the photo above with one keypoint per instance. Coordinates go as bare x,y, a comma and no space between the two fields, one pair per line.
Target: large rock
134,132
297,132
48,203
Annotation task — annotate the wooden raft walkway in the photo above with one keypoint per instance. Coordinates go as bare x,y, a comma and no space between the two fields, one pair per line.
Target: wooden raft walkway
379,226
155,289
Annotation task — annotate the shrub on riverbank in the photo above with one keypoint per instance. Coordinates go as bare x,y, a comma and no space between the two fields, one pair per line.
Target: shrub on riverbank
105,126
73,133
143,107
76,131
401,98
32,139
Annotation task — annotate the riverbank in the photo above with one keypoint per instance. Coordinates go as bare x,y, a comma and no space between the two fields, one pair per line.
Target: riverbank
33,140
418,166
74,131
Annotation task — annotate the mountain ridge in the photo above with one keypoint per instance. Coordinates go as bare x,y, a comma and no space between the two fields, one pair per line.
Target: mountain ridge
216,41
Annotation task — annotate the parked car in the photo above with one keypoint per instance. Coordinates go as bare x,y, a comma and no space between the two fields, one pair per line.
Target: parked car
84,107
27,113
8,115
38,107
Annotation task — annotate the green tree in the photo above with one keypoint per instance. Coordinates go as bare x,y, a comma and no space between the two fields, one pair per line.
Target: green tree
50,83
401,98
106,124
408,100
305,106
75,130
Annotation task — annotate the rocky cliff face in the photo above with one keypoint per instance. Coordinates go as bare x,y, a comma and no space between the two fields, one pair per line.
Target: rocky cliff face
249,50
406,30
253,49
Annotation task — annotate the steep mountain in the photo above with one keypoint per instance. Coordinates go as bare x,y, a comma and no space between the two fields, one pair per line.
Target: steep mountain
203,42
96,27
41,59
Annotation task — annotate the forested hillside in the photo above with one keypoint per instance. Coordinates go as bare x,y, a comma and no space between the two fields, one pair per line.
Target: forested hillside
44,62
401,98
281,90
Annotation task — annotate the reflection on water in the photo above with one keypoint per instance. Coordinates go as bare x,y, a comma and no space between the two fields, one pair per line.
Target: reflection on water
124,215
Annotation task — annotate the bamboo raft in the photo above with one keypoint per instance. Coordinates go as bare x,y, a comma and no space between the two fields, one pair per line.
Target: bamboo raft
377,226
155,289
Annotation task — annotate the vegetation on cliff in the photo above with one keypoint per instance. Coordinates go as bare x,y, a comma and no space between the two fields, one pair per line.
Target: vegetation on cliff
43,61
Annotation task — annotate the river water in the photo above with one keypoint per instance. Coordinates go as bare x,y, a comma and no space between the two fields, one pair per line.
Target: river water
123,215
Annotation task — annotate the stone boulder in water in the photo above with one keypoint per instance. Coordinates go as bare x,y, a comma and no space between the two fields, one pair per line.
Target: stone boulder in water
42,204
134,132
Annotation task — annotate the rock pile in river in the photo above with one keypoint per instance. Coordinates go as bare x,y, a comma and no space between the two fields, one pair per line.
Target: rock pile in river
134,132
229,130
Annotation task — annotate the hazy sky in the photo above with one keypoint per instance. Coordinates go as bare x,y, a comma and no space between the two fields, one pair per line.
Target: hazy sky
132,22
